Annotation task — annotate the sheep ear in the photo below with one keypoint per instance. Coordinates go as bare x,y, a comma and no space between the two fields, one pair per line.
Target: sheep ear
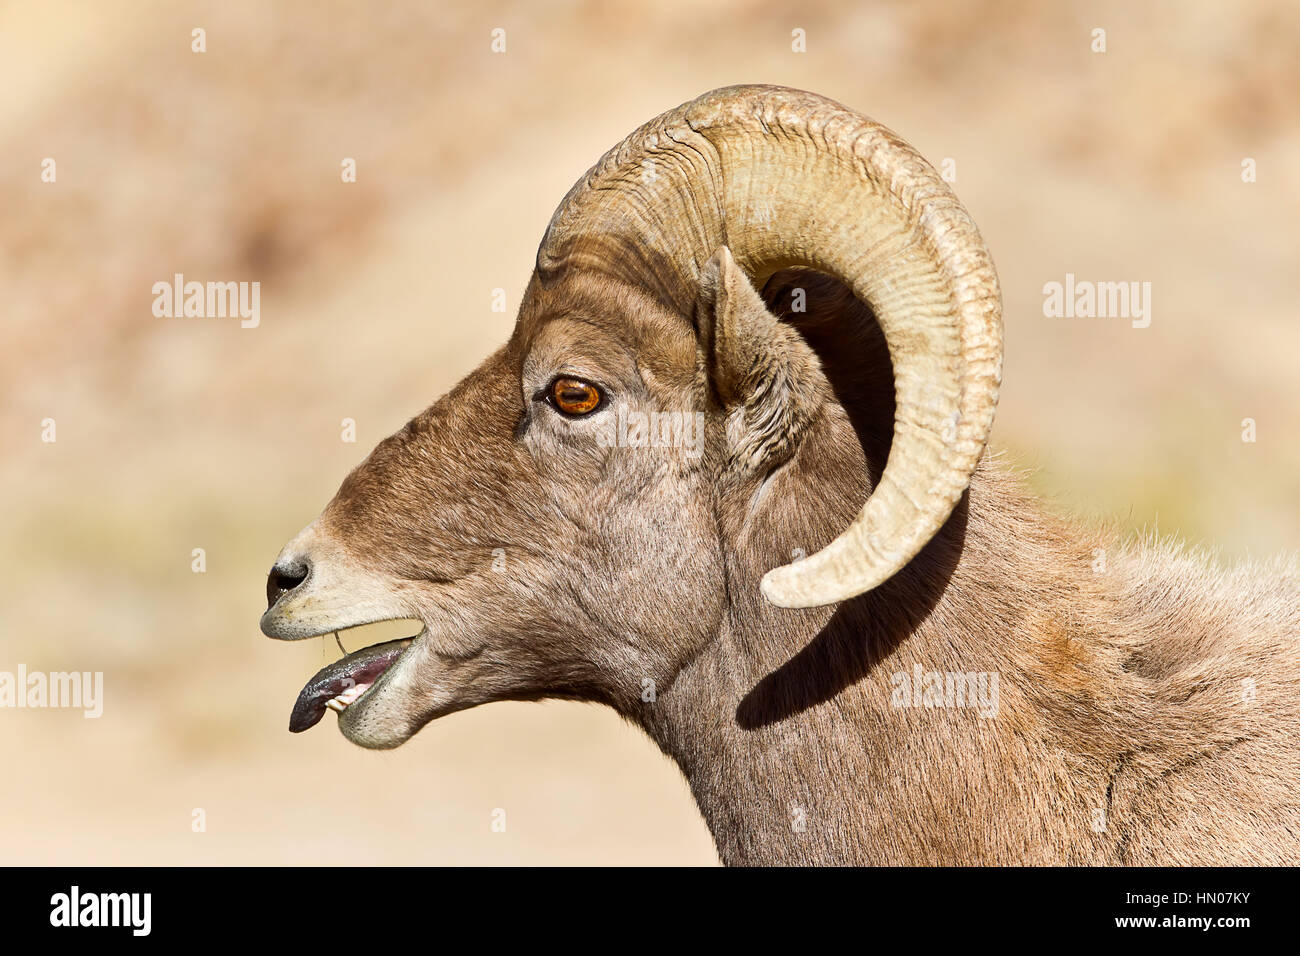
761,369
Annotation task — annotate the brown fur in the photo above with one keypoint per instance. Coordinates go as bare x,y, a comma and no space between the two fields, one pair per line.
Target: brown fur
548,566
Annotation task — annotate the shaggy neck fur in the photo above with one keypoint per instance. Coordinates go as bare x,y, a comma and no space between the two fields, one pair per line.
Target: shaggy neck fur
1145,711
1128,724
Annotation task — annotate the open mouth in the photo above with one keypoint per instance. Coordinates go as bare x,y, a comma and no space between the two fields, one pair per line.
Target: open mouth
339,685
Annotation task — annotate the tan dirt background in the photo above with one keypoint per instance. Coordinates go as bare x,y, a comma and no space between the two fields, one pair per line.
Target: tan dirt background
176,434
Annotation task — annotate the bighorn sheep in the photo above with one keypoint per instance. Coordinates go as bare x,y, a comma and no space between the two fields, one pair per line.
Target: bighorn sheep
798,282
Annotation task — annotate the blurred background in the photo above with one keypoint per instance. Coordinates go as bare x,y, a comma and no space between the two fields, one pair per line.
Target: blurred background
177,434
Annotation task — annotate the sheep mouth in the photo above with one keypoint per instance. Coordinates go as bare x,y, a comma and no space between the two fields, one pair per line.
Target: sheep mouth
339,685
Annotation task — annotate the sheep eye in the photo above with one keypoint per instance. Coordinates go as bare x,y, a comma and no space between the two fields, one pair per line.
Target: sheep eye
573,396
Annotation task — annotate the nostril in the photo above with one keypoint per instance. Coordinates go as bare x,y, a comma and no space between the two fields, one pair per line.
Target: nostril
283,579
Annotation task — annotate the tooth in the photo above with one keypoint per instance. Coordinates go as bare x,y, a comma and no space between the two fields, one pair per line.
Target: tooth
336,705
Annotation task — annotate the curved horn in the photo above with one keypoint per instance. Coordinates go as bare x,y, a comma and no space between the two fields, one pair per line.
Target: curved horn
788,178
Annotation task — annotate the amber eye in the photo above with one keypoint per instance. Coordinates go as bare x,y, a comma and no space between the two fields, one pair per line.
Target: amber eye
573,396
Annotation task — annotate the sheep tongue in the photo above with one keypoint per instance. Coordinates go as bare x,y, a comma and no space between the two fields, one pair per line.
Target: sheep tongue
362,667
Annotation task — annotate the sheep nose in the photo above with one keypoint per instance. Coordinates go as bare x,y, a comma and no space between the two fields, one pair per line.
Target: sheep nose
284,578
